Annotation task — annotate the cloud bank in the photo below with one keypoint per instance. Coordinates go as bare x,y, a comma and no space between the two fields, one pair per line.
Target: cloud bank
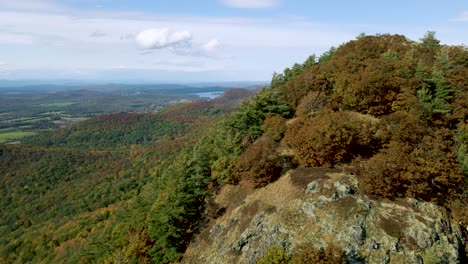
251,3
179,42
162,38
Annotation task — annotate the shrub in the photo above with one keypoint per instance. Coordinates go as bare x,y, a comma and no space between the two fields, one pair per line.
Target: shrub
312,79
331,138
308,254
462,148
260,163
371,89
379,176
367,82
457,207
274,255
274,126
401,127
427,170
311,103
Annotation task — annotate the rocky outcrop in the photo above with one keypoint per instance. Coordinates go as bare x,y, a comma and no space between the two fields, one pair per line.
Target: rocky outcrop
319,209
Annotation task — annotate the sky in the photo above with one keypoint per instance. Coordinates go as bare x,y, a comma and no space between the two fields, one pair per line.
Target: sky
199,40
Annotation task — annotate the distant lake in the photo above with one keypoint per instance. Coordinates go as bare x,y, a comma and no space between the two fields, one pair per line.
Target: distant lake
210,95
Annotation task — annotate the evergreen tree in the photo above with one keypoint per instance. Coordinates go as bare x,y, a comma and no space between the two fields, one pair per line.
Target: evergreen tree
277,80
425,98
435,92
442,91
311,60
429,40
296,70
360,36
326,56
421,71
389,55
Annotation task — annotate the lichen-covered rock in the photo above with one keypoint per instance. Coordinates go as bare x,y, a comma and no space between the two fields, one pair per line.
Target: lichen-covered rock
328,210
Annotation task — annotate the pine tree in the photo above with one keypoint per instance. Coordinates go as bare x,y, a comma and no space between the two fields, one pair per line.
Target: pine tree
425,98
429,40
277,80
421,72
389,55
442,90
311,60
326,56
435,92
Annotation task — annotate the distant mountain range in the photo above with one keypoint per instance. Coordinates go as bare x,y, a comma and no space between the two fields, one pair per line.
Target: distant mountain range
163,85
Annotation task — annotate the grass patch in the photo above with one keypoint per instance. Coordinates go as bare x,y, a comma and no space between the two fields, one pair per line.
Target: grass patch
346,208
302,176
8,129
52,113
5,137
247,213
393,226
28,120
57,104
231,196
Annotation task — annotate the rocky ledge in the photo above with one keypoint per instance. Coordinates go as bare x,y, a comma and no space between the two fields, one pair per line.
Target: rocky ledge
319,208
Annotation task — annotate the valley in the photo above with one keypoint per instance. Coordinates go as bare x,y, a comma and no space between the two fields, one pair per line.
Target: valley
26,111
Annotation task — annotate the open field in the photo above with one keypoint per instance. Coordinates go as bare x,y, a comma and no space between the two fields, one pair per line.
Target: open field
26,111
57,104
13,136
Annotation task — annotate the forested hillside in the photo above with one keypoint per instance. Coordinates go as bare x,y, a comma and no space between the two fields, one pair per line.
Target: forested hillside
60,188
390,110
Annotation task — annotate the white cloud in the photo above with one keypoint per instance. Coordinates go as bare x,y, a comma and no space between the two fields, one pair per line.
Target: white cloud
178,42
162,38
209,49
251,3
463,17
211,45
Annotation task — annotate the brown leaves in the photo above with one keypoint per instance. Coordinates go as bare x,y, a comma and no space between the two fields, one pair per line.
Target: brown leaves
260,163
426,170
331,138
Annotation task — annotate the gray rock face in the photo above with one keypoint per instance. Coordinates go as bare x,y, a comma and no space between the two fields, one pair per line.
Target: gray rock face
329,211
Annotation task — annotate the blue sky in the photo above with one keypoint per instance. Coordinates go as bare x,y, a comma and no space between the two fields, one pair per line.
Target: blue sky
199,40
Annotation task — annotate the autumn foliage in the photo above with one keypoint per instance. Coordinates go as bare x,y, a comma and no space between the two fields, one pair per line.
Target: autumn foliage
331,138
427,170
274,126
393,109
259,164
